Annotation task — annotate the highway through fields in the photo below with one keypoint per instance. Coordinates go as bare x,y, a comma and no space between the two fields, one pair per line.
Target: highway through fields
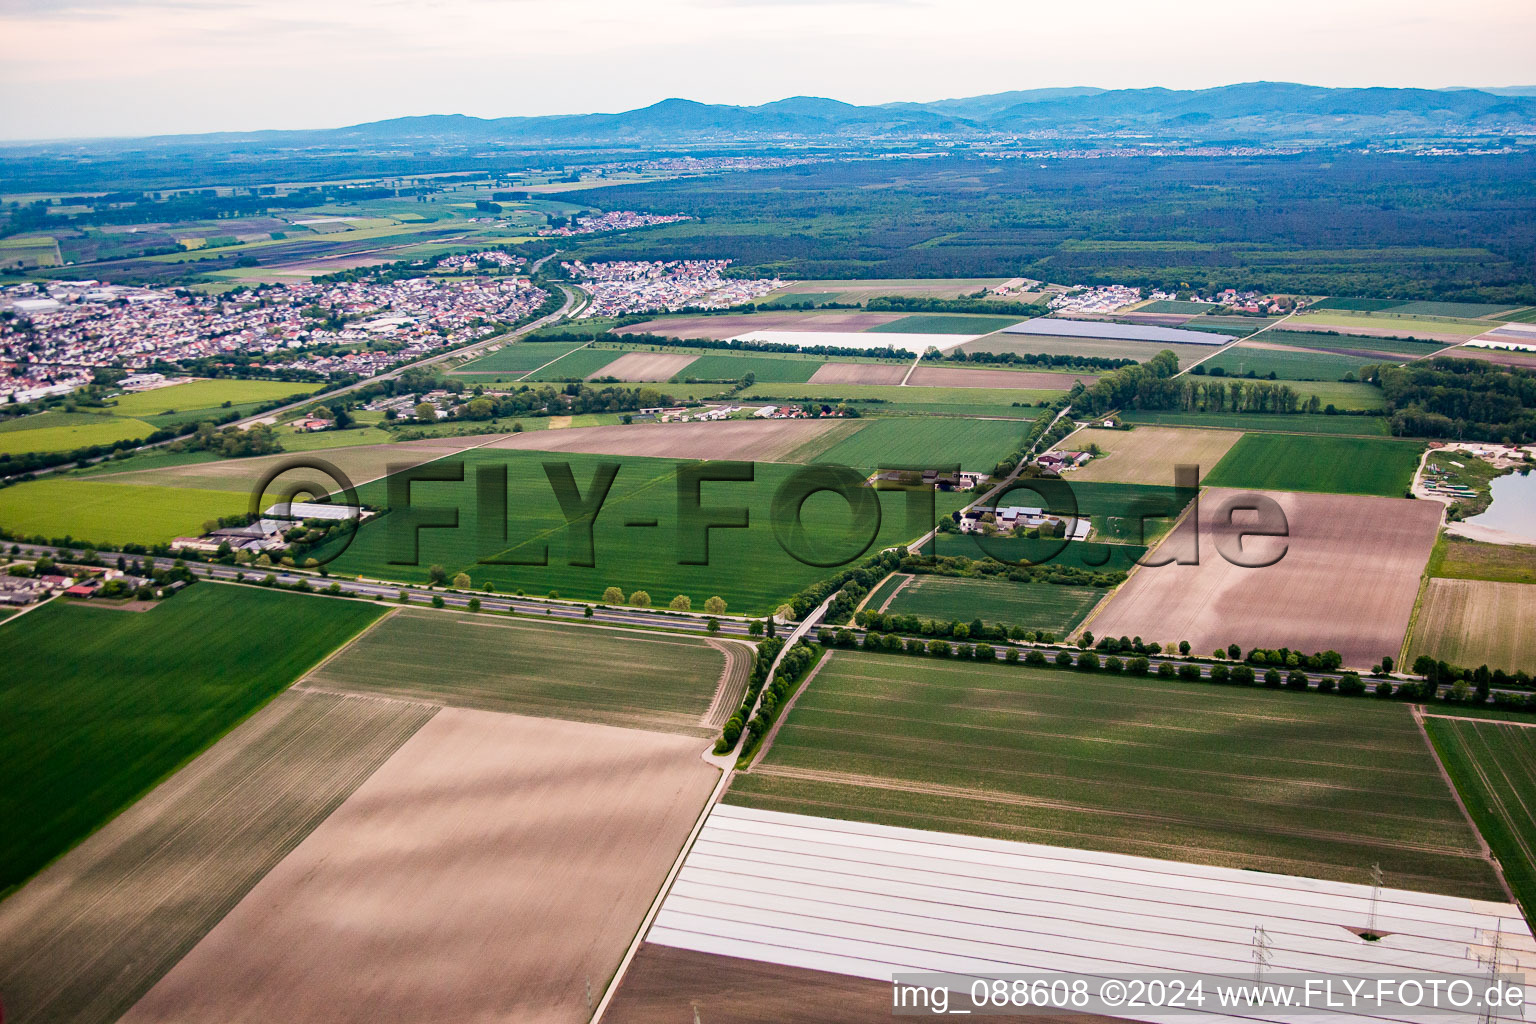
619,616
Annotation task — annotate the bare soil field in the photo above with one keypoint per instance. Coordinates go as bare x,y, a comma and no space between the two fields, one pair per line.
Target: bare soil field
665,984
1409,329
760,440
645,366
966,377
1496,356
1147,455
360,463
87,937
720,327
860,373
1474,622
493,869
1347,581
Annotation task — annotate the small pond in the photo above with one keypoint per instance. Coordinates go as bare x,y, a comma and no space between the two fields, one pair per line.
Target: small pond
1514,505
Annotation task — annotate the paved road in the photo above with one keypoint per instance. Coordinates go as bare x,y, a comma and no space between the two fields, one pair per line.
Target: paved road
575,611
692,622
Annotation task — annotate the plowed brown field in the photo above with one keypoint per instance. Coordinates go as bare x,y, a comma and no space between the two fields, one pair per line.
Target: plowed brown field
1347,582
493,869
645,366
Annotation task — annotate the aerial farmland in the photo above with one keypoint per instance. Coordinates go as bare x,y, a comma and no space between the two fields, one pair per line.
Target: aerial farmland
788,563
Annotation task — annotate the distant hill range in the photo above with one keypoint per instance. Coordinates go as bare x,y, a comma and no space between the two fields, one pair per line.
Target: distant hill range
1254,112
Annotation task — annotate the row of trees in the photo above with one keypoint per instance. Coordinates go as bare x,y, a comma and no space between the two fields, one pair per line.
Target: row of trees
1051,360
681,603
968,304
796,662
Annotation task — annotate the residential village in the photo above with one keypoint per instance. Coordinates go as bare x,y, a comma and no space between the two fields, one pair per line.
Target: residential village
57,333
615,220
641,286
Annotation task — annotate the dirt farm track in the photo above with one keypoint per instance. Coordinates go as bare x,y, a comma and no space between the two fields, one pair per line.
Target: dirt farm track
1347,581
482,873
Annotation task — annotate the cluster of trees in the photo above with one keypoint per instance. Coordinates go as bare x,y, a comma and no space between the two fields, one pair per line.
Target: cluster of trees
1153,385
1464,399
231,442
866,575
1045,431
1055,361
1317,661
1475,683
570,399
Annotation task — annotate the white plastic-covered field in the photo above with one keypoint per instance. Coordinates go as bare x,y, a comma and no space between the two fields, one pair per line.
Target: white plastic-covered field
870,900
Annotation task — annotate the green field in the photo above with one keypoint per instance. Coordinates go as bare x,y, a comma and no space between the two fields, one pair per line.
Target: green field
886,588
516,359
1036,606
112,513
1023,550
577,364
1343,396
747,567
1337,465
1103,348
1176,306
1494,768
1301,423
528,667
207,394
1388,347
767,368
64,432
1292,366
957,398
1247,778
1356,305
940,323
99,704
896,441
1393,321
1119,511
1469,310
1460,559
51,419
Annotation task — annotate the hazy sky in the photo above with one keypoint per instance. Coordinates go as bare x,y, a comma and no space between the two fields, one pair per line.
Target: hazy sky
138,67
